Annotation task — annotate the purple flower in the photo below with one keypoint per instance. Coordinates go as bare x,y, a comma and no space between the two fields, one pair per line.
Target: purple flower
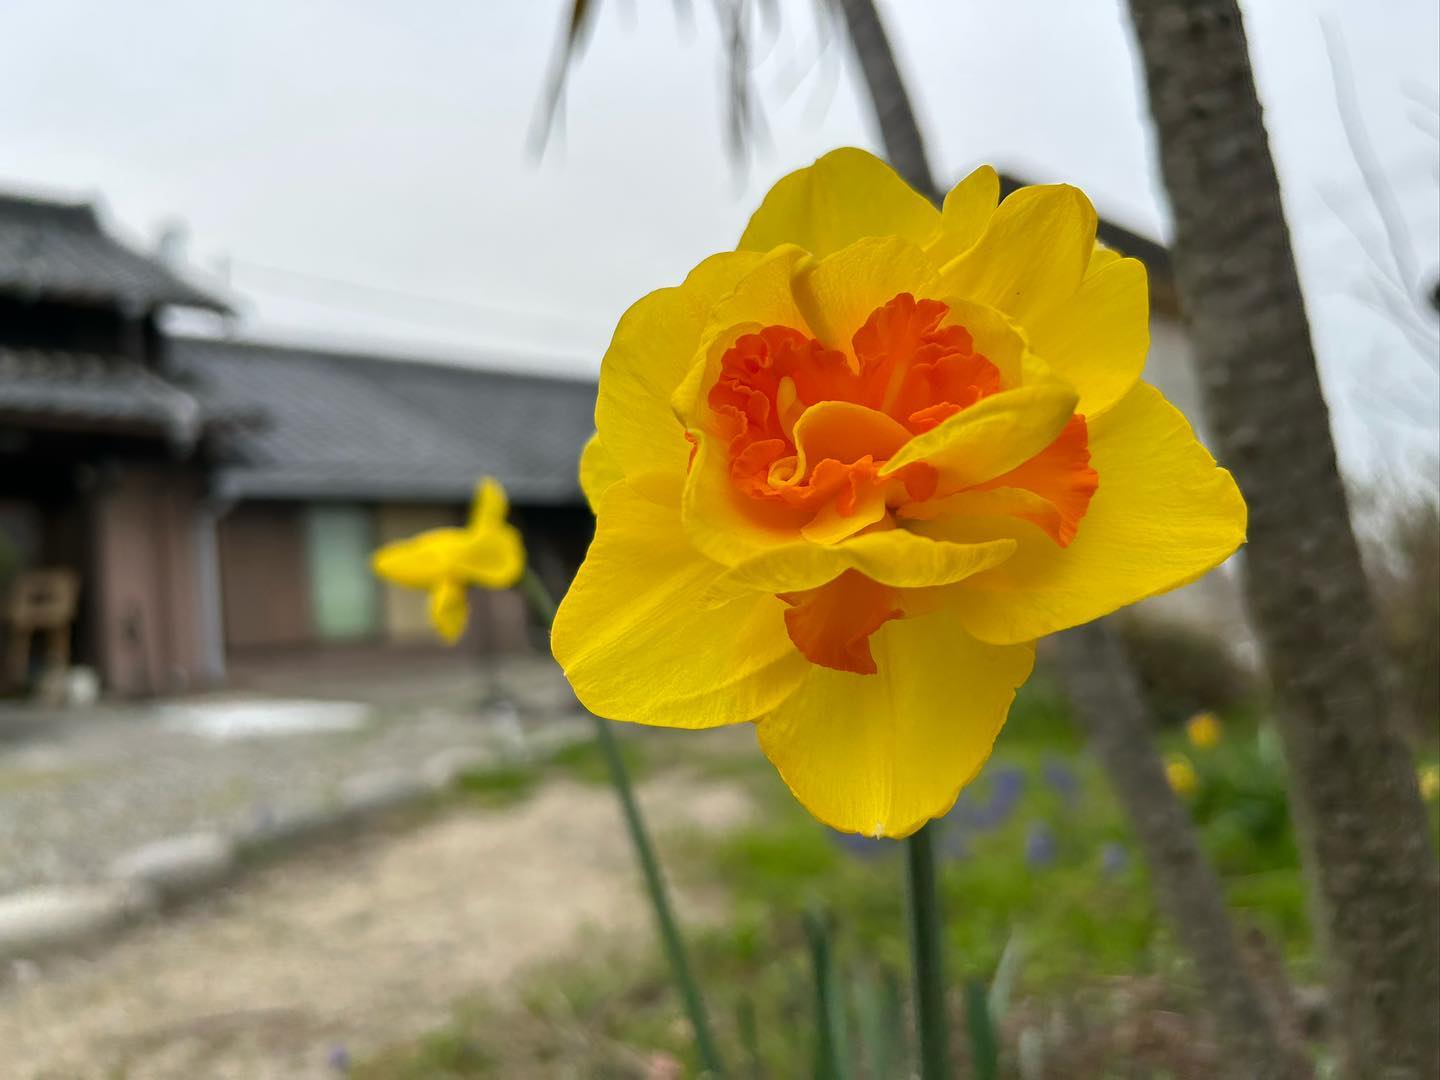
339,1059
1114,858
1040,846
952,840
1062,778
1007,784
864,847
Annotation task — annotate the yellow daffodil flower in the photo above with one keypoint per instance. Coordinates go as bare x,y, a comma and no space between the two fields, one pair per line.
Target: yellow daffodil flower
1181,774
1203,730
845,475
487,552
1429,778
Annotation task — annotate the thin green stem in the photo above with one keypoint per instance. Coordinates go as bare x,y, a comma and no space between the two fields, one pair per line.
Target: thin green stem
659,899
750,1037
539,597
828,1055
926,951
674,946
984,1050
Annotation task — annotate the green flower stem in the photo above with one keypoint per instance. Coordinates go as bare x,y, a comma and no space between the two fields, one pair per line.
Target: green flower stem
829,1057
709,1054
926,951
539,597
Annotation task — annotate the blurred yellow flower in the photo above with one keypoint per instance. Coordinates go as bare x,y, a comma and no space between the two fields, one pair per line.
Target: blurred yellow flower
1203,730
845,475
1181,774
1430,782
487,552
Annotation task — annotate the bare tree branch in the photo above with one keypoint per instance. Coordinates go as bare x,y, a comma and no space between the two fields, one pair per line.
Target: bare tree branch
1357,135
574,29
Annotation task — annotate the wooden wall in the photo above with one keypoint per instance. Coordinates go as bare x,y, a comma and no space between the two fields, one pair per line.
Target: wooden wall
264,584
144,579
281,562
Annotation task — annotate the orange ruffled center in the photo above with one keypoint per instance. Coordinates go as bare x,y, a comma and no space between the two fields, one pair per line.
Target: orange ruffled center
809,431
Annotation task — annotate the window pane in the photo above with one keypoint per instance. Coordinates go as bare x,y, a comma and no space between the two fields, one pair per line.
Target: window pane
344,598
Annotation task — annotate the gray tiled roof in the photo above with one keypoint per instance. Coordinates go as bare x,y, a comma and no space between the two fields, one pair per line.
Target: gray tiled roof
365,427
59,250
95,392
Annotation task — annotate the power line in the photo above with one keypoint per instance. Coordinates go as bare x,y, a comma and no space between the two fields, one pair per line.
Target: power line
339,285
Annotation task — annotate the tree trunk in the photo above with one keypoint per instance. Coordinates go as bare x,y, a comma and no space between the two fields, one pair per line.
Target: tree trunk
1361,822
904,145
1102,687
1101,683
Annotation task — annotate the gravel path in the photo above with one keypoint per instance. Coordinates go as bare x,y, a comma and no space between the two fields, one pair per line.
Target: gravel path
339,953
79,788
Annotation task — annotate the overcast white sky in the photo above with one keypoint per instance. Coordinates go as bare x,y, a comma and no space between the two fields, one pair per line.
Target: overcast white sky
361,165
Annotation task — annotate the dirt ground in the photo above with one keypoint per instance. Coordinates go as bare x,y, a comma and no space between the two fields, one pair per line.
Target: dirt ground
343,950
81,787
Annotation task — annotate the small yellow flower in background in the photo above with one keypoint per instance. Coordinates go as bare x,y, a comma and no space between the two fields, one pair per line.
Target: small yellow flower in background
845,475
1429,778
487,552
1203,730
1181,774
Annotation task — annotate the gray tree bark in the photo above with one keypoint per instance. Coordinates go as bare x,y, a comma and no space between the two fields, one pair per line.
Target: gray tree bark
1102,685
1108,704
895,116
1362,825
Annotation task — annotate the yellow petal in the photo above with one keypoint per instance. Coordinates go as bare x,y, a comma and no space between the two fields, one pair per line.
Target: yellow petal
993,436
844,431
493,557
449,610
636,643
891,557
763,296
723,524
420,562
995,337
1102,257
598,470
1032,255
989,502
653,347
966,212
830,526
838,293
1163,515
845,196
1097,339
882,754
490,504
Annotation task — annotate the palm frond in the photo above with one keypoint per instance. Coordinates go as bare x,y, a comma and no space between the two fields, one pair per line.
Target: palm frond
574,28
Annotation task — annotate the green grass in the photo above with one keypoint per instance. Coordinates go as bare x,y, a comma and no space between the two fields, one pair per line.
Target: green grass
510,781
1077,920
449,1053
583,760
1074,916
500,786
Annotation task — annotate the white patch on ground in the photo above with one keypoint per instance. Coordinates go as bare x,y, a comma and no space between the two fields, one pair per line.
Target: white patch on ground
357,945
225,720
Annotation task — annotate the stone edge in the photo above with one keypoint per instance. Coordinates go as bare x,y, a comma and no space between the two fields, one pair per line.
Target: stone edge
145,881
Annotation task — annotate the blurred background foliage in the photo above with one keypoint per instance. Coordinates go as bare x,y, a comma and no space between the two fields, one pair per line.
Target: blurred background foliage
1054,918
1400,534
